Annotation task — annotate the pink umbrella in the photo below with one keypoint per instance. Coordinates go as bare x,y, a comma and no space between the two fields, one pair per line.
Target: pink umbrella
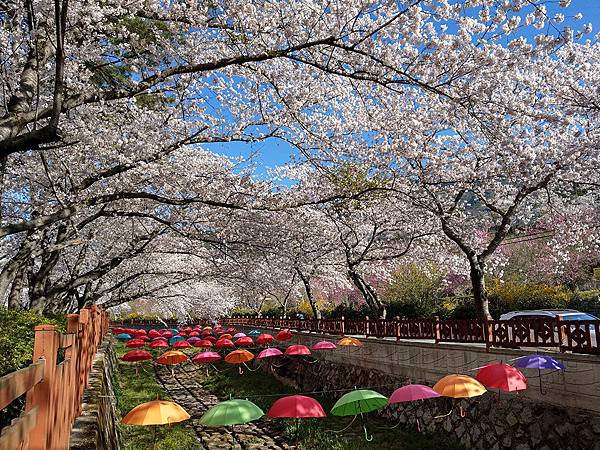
193,340
297,350
412,392
206,357
269,353
239,335
324,345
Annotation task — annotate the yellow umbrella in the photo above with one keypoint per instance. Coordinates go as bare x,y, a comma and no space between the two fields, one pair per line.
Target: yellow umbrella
350,342
459,386
156,412
239,357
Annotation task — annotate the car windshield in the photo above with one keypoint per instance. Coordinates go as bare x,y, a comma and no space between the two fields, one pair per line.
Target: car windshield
580,316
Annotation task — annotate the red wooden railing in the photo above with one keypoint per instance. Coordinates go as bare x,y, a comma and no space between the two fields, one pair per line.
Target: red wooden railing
53,391
579,336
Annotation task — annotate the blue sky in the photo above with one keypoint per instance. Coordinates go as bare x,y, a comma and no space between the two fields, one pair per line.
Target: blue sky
273,152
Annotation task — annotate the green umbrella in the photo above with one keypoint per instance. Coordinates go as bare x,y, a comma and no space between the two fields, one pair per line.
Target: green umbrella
231,412
359,402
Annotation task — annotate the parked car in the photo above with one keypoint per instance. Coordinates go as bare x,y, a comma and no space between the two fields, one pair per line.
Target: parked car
565,314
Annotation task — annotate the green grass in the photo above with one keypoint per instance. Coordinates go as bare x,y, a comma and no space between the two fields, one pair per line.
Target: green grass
317,434
132,390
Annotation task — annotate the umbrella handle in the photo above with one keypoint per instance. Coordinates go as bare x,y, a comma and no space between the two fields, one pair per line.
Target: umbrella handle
418,425
367,437
240,370
443,415
462,412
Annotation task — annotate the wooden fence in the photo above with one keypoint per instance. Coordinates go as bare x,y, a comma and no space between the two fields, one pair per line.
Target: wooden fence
53,391
580,336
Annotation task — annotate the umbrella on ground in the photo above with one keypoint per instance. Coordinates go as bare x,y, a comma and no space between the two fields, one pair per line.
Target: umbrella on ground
324,345
239,335
230,330
167,334
349,342
153,333
239,357
357,402
203,343
135,356
264,339
296,407
174,331
297,350
270,352
182,333
502,376
157,412
211,339
411,393
171,358
206,357
224,343
139,332
159,344
539,362
176,339
193,340
117,330
182,344
244,341
254,333
194,334
123,336
144,338
135,343
284,335
226,336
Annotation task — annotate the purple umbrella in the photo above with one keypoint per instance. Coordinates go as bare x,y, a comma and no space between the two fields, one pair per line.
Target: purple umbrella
193,340
538,362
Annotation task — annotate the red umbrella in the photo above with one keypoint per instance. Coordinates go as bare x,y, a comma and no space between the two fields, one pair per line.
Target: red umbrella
230,330
296,407
182,344
187,329
206,357
224,343
284,335
140,332
203,343
264,339
502,376
269,353
153,333
117,330
243,341
135,343
324,345
297,350
192,340
136,355
167,334
159,344
211,339
182,333
159,338
194,334
144,338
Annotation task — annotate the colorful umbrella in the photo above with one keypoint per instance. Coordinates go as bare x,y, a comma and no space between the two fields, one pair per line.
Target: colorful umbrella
231,412
193,340
296,407
239,357
360,402
269,353
206,357
459,386
297,350
203,343
135,343
264,339
139,332
284,335
176,339
230,330
538,362
412,392
244,341
123,336
211,339
167,334
502,376
226,336
224,343
159,344
324,345
194,334
136,355
153,333
350,342
254,333
182,344
172,357
239,335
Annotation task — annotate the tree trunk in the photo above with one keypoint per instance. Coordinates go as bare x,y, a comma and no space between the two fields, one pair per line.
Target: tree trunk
309,295
479,291
369,294
15,297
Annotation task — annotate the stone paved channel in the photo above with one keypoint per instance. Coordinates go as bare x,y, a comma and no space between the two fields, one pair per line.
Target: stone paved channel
185,389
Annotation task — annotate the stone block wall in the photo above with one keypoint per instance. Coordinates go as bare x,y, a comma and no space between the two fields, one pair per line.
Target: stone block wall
96,427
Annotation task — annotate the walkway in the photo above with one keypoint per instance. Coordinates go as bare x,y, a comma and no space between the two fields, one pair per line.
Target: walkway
185,389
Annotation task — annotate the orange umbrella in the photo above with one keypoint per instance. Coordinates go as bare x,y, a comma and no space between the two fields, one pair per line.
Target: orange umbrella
459,386
156,412
350,342
226,336
172,357
239,357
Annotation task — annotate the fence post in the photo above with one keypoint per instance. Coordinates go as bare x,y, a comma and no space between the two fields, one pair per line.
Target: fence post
397,327
40,396
343,326
437,329
560,325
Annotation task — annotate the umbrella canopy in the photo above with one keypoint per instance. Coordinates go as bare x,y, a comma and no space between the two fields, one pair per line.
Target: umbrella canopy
194,334
188,329
264,339
206,357
172,357
159,344
230,330
254,333
537,362
224,343
350,342
239,357
156,412
284,335
211,339
139,332
136,355
193,340
297,407
357,402
412,392
135,343
459,386
176,339
324,345
123,336
167,334
269,353
182,333
144,338
203,343
174,331
153,333
297,350
182,344
502,376
231,412
226,336
239,335
244,341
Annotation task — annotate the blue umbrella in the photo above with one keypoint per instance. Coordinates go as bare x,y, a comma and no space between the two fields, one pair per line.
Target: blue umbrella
538,362
174,331
254,333
123,336
175,339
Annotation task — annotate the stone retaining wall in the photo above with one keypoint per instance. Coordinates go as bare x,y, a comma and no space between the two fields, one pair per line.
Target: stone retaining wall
96,427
